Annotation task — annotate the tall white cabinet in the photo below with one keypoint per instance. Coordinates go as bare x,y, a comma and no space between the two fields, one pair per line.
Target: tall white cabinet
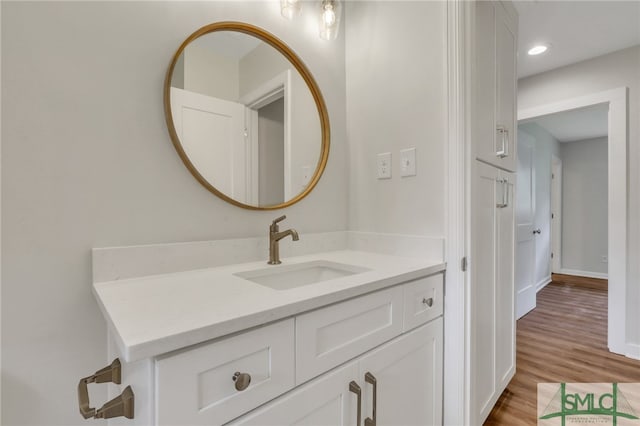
494,129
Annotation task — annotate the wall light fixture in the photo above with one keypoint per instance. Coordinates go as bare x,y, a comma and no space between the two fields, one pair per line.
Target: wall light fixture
330,19
289,8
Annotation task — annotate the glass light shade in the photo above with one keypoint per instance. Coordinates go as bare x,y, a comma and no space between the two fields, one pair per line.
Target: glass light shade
330,19
289,8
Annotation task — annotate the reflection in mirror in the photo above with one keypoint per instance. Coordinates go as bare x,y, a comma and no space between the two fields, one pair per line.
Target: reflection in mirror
245,118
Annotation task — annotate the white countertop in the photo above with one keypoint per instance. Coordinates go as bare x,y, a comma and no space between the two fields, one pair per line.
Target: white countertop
153,315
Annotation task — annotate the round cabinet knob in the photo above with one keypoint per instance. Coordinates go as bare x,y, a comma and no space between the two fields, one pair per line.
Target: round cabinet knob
428,302
242,380
537,231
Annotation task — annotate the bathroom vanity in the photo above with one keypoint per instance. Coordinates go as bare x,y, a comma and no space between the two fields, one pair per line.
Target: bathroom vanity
342,337
348,331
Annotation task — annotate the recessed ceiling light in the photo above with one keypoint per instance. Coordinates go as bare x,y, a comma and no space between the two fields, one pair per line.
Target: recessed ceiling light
538,49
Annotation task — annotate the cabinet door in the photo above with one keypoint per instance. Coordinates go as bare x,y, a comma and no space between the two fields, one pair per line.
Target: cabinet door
408,379
325,401
482,291
506,130
505,286
494,117
491,293
484,119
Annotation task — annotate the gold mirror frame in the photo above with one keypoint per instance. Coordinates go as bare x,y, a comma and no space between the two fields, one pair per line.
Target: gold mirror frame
307,77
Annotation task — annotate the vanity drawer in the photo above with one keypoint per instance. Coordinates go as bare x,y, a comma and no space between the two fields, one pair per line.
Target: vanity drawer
423,301
196,387
330,336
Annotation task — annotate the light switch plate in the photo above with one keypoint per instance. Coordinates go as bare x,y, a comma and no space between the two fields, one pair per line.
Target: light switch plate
384,165
408,162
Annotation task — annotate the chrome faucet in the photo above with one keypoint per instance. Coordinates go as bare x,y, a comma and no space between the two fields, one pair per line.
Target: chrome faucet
275,236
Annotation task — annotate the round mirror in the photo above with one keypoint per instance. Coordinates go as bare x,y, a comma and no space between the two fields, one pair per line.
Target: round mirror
246,116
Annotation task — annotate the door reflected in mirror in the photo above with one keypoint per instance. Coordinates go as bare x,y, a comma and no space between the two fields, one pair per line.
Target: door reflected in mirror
245,120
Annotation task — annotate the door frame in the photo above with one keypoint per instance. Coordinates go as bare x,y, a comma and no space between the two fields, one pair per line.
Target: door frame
459,72
556,211
617,204
277,87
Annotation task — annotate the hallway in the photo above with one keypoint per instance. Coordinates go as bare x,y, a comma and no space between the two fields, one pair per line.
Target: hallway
563,340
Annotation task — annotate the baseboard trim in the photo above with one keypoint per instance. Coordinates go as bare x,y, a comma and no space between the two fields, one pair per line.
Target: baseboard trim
633,351
543,283
586,274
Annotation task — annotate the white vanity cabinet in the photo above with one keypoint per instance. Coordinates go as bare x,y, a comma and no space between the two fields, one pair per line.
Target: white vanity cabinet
495,84
306,369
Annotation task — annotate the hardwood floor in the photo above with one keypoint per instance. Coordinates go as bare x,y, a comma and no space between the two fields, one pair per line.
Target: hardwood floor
563,340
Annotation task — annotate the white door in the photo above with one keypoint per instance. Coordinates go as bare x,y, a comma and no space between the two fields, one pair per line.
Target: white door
406,377
326,401
525,226
212,133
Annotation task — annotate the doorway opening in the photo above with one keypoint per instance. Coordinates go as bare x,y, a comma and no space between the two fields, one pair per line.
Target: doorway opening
616,103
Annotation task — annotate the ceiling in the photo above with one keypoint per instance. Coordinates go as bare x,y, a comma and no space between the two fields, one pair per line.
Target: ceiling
578,124
576,30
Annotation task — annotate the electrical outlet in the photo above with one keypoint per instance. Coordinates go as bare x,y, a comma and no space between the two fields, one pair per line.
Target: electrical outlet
605,259
384,165
408,162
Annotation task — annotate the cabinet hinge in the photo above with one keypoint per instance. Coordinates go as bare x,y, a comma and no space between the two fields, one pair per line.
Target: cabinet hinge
463,264
552,255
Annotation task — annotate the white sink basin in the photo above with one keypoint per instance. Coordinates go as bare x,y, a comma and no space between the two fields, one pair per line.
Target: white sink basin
285,277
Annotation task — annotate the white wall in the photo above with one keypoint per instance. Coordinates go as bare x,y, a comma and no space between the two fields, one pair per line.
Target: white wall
263,64
584,205
271,153
87,162
259,66
545,145
210,74
618,69
396,98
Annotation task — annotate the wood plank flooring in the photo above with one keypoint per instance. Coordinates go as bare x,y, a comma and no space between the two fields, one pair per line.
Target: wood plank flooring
563,340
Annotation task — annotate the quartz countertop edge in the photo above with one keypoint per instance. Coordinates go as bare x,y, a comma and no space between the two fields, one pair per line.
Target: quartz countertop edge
154,315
